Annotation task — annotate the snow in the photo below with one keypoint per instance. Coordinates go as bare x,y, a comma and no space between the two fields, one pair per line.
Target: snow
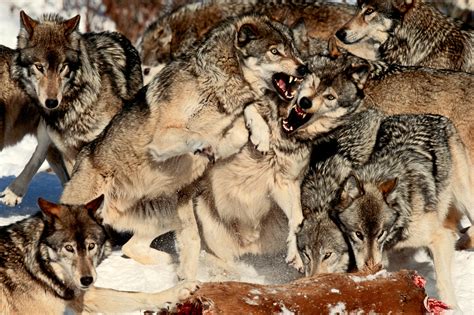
125,274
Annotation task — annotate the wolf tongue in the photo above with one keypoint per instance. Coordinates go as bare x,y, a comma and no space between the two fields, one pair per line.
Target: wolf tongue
282,85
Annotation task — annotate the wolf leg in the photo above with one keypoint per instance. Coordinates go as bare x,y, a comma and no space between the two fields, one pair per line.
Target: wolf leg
287,195
258,127
56,162
14,193
100,300
173,142
233,140
138,248
442,248
188,241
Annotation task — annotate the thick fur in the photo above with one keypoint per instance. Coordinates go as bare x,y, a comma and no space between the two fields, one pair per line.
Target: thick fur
401,197
243,199
48,261
79,80
20,117
143,162
171,35
409,33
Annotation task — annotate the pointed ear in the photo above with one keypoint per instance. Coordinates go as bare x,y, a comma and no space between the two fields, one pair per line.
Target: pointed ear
28,23
71,24
333,49
51,209
95,204
403,5
387,187
300,32
351,190
246,33
360,74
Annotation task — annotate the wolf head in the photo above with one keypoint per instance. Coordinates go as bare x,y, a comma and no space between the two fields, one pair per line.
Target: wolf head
74,240
322,245
331,92
373,24
267,56
48,56
366,215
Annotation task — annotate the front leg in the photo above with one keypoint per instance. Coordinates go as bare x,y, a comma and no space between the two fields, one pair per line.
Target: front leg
287,195
258,127
175,141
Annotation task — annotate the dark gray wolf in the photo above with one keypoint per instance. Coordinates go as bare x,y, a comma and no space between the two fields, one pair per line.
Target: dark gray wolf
144,162
401,197
19,117
410,33
80,81
175,33
48,261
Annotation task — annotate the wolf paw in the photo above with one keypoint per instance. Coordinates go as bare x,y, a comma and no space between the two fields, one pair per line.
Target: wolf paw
208,152
295,261
186,289
9,198
261,142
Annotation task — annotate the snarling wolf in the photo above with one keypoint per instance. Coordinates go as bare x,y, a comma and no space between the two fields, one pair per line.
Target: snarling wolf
20,117
175,33
79,81
48,261
401,197
410,33
144,162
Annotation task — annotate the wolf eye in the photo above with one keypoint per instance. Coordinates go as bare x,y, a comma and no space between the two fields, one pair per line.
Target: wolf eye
330,97
369,11
274,51
359,235
39,67
91,246
327,255
69,248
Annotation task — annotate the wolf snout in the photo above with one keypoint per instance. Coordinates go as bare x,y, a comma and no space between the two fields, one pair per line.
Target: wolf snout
302,70
341,34
87,280
51,103
305,103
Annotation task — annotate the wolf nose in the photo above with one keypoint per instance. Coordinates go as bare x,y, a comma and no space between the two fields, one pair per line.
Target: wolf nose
146,71
51,103
302,70
305,103
341,35
87,281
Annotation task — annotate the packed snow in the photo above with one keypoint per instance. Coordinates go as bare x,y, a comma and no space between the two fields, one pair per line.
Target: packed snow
125,274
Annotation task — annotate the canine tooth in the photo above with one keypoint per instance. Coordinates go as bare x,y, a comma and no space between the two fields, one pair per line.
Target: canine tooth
291,79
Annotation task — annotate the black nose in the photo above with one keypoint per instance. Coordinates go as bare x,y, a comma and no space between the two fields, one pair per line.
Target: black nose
146,71
51,103
305,103
302,70
341,35
87,281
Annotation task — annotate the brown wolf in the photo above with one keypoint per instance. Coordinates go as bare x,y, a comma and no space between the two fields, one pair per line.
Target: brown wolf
410,33
48,261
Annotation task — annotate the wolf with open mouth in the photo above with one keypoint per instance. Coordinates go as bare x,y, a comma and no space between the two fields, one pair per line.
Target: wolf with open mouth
147,169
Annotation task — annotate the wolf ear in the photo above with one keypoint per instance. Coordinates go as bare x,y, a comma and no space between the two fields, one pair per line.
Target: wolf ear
51,209
300,33
71,24
334,51
387,187
28,23
403,5
95,204
360,74
246,33
351,190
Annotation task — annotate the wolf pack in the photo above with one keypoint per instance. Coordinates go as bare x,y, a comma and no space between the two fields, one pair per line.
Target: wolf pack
337,134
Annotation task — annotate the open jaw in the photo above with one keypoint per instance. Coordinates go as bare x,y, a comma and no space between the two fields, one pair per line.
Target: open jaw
286,85
296,118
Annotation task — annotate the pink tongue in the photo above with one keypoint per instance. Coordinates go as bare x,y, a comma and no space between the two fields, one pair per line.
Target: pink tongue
281,85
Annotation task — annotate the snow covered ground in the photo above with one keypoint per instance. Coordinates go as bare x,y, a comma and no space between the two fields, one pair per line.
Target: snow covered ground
125,274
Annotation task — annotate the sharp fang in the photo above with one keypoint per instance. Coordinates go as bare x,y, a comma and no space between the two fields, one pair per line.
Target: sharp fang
291,79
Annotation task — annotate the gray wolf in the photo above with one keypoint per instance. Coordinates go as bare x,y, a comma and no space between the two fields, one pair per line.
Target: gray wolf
409,33
401,197
48,261
19,117
175,33
144,163
79,81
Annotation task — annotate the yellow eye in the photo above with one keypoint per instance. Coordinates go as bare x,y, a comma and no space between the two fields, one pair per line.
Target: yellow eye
91,246
274,51
69,248
39,67
327,255
369,11
330,97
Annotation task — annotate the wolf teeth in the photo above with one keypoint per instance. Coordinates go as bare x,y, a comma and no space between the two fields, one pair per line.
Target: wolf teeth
291,79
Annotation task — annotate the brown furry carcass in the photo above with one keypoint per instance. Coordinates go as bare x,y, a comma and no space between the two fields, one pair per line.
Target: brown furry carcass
335,293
